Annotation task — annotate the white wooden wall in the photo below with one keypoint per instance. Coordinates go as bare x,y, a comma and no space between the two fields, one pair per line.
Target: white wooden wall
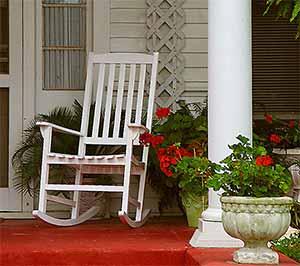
127,32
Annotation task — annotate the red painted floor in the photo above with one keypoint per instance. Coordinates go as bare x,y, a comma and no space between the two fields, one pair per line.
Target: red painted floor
160,242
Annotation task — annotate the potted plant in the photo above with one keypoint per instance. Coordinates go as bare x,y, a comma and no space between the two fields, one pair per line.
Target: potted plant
178,157
185,128
255,208
282,138
192,174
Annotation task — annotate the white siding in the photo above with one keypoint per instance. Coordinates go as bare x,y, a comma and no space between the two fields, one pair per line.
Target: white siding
128,31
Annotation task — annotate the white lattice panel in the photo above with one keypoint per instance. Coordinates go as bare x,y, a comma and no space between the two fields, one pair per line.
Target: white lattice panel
165,19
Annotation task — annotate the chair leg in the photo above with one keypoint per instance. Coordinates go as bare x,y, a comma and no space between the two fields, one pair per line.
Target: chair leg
126,184
47,134
43,192
76,196
139,210
141,215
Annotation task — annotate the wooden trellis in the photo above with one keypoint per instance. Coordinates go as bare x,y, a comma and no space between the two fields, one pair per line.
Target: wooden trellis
165,19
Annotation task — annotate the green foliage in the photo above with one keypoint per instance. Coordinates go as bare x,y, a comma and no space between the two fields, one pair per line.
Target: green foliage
295,213
187,126
27,158
239,175
192,174
287,131
286,9
289,246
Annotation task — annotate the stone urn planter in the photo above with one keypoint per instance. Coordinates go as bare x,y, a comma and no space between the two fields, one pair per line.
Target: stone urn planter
256,221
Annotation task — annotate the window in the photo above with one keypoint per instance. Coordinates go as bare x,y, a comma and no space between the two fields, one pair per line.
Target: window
4,37
64,44
276,65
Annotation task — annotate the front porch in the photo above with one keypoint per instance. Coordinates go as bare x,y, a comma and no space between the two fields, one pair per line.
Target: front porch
163,241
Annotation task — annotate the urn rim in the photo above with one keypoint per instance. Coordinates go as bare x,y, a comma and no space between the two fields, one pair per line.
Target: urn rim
257,201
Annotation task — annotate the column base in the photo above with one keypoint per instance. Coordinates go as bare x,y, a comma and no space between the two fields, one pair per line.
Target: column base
212,235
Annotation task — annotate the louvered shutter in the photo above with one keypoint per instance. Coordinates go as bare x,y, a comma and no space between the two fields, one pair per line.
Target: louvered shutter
276,71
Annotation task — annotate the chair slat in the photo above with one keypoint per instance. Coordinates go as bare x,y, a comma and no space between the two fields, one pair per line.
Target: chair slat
152,91
110,88
58,187
140,96
100,88
130,95
119,102
87,96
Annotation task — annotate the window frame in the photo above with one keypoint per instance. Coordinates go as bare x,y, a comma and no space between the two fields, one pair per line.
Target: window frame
39,45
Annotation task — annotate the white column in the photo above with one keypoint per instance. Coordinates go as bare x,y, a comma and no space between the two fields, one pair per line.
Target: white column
229,100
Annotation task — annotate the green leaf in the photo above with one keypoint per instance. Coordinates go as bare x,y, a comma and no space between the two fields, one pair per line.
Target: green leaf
296,10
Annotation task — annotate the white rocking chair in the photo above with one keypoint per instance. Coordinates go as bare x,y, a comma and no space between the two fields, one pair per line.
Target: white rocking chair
123,164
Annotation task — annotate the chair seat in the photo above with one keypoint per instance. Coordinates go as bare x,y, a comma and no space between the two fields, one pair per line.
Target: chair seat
100,164
112,160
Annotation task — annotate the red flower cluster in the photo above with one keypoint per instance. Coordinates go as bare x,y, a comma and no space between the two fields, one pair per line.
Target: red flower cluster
280,133
268,119
274,138
264,160
162,112
146,139
170,156
292,124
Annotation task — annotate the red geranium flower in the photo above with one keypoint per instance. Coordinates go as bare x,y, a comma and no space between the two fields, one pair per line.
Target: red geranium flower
264,160
268,119
173,160
157,140
184,152
274,138
292,124
145,138
162,112
171,149
160,152
168,172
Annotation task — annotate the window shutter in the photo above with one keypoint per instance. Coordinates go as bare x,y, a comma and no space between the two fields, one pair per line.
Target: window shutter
276,71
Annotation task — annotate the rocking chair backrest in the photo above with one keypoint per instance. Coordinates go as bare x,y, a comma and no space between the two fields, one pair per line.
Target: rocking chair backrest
115,72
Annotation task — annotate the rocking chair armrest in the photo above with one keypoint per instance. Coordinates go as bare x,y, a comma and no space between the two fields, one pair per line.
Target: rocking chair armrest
137,126
59,128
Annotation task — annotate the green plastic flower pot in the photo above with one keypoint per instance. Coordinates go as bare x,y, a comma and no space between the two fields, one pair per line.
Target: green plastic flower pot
194,206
